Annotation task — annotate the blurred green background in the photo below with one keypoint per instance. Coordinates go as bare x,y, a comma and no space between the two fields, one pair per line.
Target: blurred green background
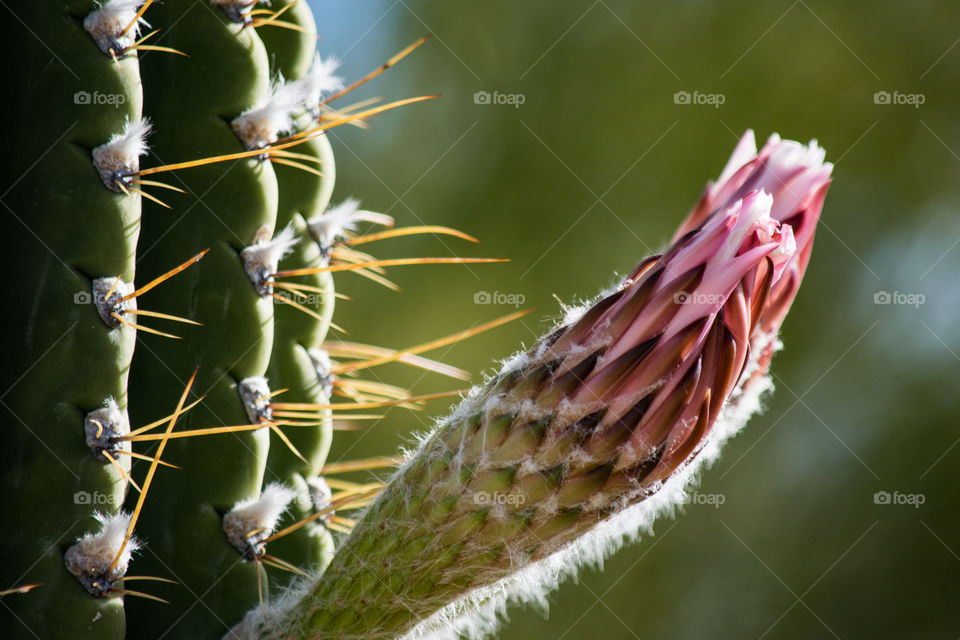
592,172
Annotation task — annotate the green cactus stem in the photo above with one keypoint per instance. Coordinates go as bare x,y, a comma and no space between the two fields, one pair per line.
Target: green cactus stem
65,365
192,101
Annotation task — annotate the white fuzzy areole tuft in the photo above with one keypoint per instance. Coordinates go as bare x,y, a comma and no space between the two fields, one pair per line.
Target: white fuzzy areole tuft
118,289
259,515
120,156
90,558
103,428
323,367
106,23
261,259
319,81
336,221
255,395
263,123
321,496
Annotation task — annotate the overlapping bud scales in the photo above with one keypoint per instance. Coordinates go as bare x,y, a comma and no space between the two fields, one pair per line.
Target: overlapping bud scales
651,365
587,436
797,177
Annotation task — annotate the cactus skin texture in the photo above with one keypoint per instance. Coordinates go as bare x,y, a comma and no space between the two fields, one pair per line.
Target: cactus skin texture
64,229
597,418
228,203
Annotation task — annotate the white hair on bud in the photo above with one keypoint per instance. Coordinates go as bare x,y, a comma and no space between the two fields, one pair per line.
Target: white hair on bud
479,613
120,155
336,221
106,22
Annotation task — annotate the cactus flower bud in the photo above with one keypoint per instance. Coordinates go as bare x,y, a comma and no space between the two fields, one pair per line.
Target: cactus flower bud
797,178
584,438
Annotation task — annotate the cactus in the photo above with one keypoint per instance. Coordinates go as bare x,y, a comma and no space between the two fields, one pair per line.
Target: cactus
196,460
